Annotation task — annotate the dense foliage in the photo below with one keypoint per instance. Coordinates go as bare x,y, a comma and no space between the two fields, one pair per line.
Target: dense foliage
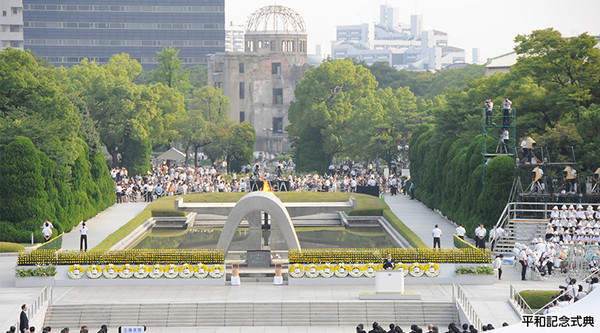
340,113
47,169
554,86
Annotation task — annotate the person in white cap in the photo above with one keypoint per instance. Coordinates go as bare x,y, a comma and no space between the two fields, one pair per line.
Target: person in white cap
597,214
564,213
571,212
554,214
579,214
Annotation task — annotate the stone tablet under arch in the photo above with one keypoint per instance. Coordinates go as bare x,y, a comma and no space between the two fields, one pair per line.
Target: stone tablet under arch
259,201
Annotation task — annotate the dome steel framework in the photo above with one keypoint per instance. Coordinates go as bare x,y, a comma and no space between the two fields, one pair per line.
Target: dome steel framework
275,19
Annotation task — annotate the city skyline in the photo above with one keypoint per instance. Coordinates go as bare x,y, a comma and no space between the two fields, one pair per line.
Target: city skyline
469,23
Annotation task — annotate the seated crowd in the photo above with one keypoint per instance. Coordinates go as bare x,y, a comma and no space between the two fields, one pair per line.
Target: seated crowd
571,235
452,328
166,181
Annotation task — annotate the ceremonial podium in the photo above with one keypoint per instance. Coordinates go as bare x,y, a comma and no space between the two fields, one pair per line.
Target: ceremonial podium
389,285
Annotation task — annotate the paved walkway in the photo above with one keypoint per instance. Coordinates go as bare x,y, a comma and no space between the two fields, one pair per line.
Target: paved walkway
103,224
421,220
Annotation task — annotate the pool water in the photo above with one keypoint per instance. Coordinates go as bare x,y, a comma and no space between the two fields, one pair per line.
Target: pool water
309,237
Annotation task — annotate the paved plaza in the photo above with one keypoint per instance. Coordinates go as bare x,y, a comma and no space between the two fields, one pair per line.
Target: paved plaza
490,301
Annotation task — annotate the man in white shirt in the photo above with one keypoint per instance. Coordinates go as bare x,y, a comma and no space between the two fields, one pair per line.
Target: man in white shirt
460,232
498,265
506,111
437,236
83,231
523,262
480,233
495,234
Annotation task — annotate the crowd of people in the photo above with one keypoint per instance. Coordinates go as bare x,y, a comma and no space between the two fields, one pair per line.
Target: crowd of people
452,328
572,237
165,181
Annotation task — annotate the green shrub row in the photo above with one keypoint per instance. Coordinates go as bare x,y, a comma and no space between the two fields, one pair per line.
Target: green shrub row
448,175
33,189
38,271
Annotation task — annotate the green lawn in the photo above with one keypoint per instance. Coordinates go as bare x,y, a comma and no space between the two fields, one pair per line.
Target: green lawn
366,206
538,298
11,247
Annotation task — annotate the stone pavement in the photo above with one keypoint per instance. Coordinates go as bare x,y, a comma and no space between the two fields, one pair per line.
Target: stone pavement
421,220
103,224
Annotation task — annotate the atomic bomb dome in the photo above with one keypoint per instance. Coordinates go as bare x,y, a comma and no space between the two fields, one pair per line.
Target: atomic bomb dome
275,19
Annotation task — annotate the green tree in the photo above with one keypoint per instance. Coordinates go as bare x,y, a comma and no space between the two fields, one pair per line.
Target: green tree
206,121
170,71
239,146
23,196
328,99
32,105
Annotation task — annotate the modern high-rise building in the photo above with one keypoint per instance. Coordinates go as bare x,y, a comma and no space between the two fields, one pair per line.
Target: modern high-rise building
400,45
66,31
260,80
11,24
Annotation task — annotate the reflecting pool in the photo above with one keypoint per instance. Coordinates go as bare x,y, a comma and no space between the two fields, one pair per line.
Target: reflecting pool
309,237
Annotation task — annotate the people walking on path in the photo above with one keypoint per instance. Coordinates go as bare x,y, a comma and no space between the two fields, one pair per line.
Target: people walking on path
437,236
83,240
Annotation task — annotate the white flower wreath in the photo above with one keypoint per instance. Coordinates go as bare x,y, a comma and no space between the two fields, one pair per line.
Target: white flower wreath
141,271
432,269
296,271
94,271
171,271
76,272
186,271
326,270
201,271
126,271
416,270
217,271
156,271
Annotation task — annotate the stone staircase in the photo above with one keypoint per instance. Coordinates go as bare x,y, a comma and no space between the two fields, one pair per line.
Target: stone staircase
217,314
519,231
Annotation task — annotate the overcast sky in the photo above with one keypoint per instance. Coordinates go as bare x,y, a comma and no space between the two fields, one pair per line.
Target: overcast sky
488,25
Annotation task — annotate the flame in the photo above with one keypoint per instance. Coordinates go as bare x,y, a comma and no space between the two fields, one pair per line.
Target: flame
266,187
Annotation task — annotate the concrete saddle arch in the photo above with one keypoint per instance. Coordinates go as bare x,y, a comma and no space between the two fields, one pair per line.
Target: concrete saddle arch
259,201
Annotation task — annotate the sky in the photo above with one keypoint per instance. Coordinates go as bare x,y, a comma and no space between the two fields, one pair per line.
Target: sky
488,25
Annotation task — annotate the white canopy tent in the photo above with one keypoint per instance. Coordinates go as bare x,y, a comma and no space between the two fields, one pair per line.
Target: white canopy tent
171,155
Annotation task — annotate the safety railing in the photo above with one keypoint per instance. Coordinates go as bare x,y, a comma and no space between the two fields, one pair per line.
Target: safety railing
520,304
460,300
45,296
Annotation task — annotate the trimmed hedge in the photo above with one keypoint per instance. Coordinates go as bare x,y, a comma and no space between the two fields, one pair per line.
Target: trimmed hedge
53,244
11,247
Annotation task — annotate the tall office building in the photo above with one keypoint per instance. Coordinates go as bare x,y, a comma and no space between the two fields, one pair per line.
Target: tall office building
66,31
11,24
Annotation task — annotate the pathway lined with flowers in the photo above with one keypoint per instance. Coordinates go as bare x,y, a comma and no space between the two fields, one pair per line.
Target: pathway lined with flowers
421,220
103,224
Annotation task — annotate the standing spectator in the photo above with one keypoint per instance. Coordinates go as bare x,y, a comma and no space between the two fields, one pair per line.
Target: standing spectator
480,233
437,236
505,137
489,106
460,232
47,230
119,192
506,111
411,189
495,234
23,320
83,240
523,262
498,265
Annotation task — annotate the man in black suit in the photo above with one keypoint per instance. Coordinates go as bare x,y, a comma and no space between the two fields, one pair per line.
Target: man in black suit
23,321
389,263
